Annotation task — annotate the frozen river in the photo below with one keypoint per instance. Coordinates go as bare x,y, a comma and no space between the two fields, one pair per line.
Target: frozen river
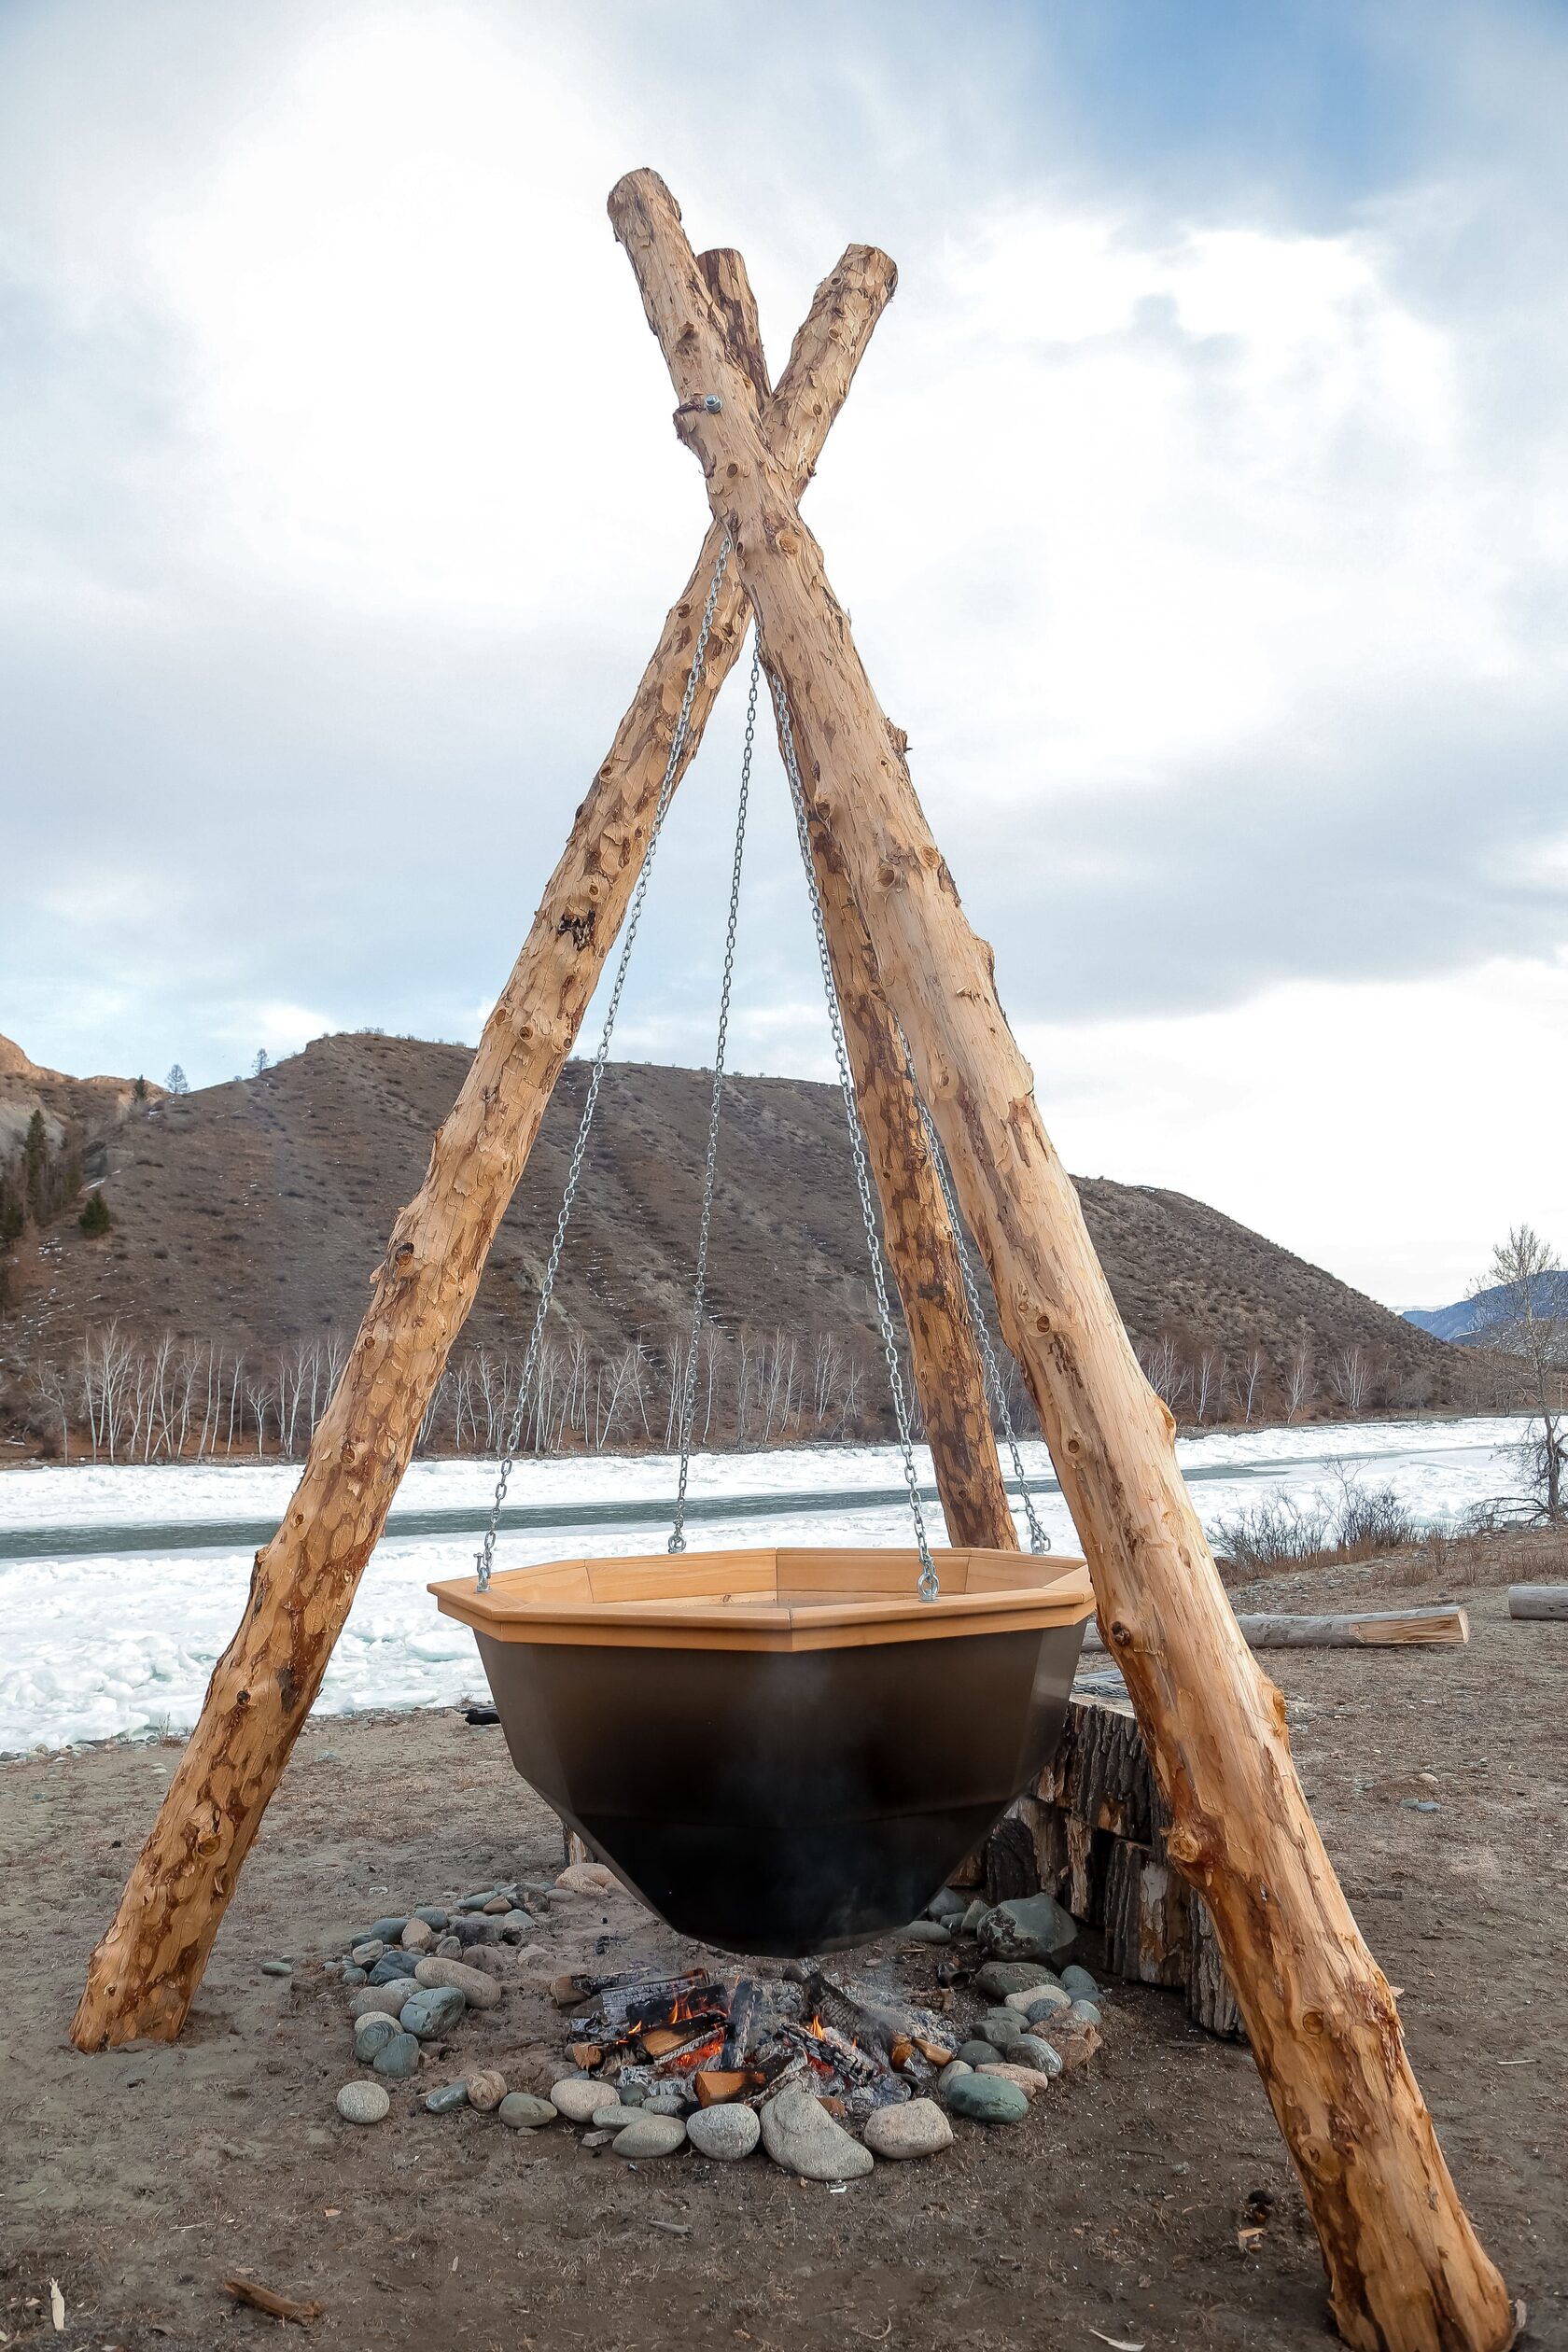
119,1586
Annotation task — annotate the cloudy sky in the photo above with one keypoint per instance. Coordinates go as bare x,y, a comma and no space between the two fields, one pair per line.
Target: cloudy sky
1202,507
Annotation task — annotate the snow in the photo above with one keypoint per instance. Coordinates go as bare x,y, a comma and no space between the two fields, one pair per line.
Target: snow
121,1641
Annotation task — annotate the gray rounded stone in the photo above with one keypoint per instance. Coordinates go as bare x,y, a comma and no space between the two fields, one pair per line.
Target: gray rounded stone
448,1948
364,1955
432,1914
1078,1982
918,2128
478,1989
451,2094
803,2138
386,1931
664,2102
351,1975
946,1903
277,1967
998,1978
925,1931
398,2058
956,2066
371,2034
1030,1928
1000,2026
1030,2051
1045,2002
577,2099
363,2103
394,1967
970,1923
724,2132
1087,2013
648,2134
982,2098
417,1935
433,2010
523,2112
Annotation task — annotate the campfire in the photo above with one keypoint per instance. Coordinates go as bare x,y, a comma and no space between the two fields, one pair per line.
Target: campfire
709,2040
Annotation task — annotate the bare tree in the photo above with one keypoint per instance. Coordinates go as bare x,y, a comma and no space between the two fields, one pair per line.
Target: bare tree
176,1082
263,1061
1350,1376
1301,1380
1248,1374
1521,1312
1207,1382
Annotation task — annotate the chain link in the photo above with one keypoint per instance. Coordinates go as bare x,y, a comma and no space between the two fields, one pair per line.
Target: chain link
1039,1540
929,1584
688,1385
485,1558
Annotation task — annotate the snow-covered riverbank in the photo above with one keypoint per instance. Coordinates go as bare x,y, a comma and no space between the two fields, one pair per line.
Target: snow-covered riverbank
119,1634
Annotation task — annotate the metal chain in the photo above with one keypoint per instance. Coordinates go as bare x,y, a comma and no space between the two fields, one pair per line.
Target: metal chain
689,1386
485,1558
930,1585
1039,1540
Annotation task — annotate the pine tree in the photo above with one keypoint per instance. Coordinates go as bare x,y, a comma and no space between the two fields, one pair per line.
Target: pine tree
95,1217
37,1169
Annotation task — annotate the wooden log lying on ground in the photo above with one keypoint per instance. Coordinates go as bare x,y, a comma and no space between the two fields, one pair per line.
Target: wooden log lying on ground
1547,1602
143,1974
1361,1629
1406,2272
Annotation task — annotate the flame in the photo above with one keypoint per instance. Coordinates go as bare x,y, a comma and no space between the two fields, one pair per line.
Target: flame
814,2027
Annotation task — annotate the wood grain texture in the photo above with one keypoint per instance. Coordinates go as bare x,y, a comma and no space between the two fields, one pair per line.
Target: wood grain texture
1548,1603
144,1972
1354,1629
1406,2272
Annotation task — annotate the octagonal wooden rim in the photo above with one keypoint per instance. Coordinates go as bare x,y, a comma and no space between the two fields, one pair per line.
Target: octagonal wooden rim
781,1598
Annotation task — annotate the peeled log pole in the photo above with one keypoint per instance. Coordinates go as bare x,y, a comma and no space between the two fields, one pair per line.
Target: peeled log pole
1407,2273
917,1234
144,1973
1366,1629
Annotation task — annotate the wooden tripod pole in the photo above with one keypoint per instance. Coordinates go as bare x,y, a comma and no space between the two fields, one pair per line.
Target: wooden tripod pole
145,1971
921,1248
1407,2273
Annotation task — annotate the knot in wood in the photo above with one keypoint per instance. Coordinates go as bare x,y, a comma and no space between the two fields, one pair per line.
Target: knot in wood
1121,1633
579,927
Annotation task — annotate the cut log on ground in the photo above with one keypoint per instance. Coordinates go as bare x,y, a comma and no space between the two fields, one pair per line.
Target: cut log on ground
1363,1628
1547,1602
1407,2273
143,1974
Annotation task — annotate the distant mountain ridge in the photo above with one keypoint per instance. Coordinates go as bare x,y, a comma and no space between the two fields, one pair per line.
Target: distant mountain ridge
254,1214
1469,1321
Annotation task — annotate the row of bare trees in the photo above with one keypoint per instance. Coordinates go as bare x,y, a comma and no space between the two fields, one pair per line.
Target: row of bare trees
1205,1384
120,1398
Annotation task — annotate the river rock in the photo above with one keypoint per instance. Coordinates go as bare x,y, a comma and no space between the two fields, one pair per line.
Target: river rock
1030,1928
1034,1995
956,2066
577,2099
364,1955
1030,2051
1000,2026
432,1914
516,1927
475,1902
1086,2013
1045,2002
350,1974
588,1878
432,2012
801,2137
417,1935
1078,1982
970,1923
927,1931
475,1928
998,1978
448,1948
392,1966
987,2098
725,2132
946,1903
480,1990
373,2000
523,2112
919,2128
1073,2040
497,1906
976,2052
386,1931
363,2102
277,1967
398,2058
593,2141
451,2094
1024,2079
486,2090
648,2134
373,2032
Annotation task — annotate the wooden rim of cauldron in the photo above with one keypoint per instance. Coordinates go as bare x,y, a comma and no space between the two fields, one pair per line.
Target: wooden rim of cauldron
786,1598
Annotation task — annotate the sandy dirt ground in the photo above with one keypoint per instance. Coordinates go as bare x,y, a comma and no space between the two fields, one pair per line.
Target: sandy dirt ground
138,2181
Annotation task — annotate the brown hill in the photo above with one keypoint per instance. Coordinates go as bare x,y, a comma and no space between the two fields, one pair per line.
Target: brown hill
252,1214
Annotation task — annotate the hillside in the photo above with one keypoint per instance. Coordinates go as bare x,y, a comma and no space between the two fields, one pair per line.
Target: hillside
250,1215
